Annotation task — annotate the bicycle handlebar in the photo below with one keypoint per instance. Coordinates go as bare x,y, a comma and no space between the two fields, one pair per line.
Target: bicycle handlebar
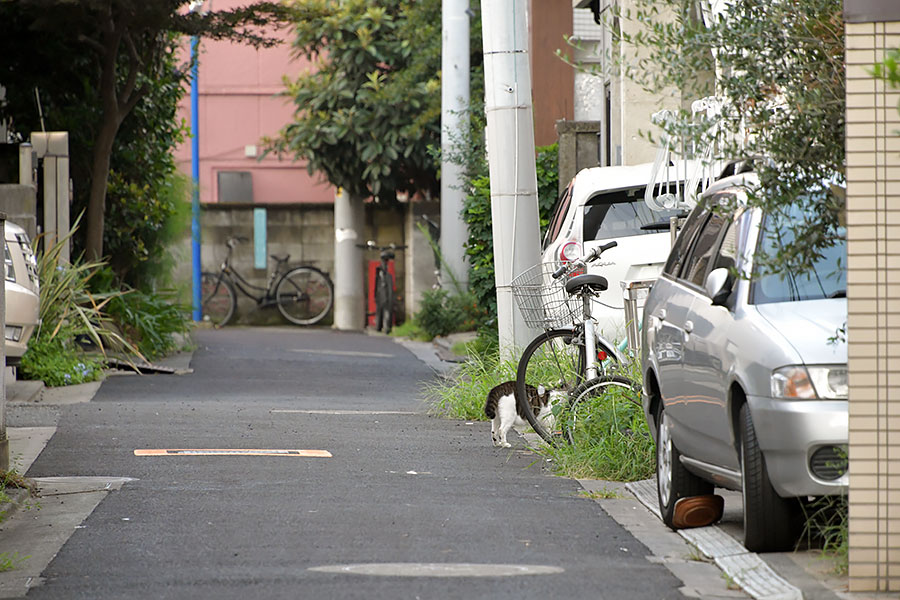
371,245
587,258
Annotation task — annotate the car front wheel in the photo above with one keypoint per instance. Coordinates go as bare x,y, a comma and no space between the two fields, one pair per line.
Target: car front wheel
770,521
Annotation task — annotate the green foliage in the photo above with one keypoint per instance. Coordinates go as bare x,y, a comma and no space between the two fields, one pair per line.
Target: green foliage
779,66
150,321
70,314
59,361
463,396
11,561
889,70
827,523
616,446
477,214
98,62
368,113
442,313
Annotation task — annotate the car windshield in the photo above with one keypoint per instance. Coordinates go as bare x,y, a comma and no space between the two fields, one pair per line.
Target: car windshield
826,279
621,214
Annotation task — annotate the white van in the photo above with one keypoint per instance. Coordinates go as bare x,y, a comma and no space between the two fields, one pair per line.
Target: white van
602,204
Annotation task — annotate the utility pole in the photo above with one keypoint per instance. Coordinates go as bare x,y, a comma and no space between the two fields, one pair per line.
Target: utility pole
510,144
454,127
349,301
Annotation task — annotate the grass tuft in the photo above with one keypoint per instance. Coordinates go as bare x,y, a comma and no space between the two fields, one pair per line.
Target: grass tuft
827,526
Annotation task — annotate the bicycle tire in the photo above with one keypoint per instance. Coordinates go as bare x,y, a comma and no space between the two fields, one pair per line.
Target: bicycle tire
577,419
217,298
387,308
553,361
380,297
304,295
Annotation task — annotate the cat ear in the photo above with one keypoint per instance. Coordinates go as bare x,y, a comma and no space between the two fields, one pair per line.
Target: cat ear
541,390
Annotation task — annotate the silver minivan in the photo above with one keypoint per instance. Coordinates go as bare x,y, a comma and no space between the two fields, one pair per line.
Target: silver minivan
745,374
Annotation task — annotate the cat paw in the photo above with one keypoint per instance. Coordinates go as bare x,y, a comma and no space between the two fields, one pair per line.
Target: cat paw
506,445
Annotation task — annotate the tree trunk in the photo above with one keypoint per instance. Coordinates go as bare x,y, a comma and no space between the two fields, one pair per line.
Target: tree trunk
99,178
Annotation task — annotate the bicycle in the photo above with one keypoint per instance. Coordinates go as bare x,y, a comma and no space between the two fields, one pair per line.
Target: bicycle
385,298
569,355
303,294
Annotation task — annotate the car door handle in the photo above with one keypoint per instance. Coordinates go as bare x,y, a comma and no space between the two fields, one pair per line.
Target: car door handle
688,326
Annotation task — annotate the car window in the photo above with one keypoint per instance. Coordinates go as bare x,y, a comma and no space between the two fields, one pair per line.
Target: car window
826,278
622,213
559,216
683,242
698,264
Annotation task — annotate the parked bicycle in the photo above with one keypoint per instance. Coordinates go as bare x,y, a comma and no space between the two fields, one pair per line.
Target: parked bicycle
303,294
385,297
569,355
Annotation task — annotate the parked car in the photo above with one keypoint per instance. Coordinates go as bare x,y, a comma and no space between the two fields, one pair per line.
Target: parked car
602,204
745,378
22,292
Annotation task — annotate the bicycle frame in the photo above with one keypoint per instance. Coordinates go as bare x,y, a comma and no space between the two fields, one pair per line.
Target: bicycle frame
242,285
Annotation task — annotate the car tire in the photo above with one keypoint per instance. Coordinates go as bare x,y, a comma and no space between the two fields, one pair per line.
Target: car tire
771,523
673,481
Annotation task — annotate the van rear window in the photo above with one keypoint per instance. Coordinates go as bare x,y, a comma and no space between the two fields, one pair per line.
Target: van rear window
622,214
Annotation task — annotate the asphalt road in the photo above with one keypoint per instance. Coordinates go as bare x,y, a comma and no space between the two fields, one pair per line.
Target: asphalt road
401,487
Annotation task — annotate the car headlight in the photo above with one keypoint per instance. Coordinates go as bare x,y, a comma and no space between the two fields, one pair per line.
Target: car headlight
799,382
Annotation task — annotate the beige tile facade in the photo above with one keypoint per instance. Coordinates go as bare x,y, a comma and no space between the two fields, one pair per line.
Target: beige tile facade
873,218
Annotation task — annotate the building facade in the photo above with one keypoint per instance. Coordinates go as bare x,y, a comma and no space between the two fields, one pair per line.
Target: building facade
873,232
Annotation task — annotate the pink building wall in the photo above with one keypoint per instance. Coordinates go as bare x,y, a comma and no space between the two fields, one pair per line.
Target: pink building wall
238,106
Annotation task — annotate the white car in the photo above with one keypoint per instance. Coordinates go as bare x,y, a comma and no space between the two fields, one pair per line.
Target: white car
602,204
22,292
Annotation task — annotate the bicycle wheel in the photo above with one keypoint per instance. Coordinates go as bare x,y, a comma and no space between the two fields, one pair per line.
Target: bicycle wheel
217,298
304,295
595,406
554,360
386,310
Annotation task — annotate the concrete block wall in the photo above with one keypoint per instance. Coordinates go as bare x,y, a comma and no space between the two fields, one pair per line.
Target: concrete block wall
306,233
873,218
19,202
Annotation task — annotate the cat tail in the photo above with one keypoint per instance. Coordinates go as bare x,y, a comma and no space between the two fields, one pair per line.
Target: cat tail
490,407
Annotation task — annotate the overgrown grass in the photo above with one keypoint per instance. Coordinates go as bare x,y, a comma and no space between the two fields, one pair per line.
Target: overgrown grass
8,561
827,526
411,329
612,440
463,395
613,444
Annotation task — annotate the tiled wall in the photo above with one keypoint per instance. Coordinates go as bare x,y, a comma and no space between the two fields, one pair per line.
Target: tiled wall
873,217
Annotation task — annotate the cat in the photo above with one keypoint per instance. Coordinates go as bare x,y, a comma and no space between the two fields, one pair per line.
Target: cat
503,410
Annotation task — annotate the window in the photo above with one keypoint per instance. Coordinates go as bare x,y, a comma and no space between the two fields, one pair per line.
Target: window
826,278
622,214
704,250
559,217
683,242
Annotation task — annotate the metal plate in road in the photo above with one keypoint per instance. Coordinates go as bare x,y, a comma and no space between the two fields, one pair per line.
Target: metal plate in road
233,452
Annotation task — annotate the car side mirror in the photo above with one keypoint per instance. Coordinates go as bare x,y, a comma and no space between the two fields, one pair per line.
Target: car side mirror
718,285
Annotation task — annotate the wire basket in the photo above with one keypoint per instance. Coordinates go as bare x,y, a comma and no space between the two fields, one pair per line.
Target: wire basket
542,300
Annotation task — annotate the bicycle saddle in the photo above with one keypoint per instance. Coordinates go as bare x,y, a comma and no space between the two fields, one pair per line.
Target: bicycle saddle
594,283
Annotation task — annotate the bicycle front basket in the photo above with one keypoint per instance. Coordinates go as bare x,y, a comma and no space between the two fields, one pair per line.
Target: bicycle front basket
542,300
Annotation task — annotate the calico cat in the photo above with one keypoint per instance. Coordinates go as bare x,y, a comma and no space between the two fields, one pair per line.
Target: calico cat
503,410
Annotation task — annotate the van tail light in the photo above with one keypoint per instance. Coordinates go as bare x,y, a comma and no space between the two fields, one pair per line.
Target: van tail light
569,251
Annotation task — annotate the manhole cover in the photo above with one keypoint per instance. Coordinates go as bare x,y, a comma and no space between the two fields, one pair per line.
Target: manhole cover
438,570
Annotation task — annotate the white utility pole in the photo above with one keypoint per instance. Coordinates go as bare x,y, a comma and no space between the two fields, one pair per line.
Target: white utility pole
510,143
349,300
454,127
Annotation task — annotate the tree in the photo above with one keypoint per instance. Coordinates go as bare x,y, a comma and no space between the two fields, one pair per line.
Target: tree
779,68
369,110
126,44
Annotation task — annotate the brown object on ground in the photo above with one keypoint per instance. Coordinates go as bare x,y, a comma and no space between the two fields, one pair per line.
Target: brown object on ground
698,511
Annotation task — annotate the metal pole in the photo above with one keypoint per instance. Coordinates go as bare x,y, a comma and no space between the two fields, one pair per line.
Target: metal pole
195,178
454,127
349,298
4,440
510,141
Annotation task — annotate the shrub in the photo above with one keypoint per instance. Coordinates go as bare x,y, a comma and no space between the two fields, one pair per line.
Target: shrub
442,313
58,361
463,396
